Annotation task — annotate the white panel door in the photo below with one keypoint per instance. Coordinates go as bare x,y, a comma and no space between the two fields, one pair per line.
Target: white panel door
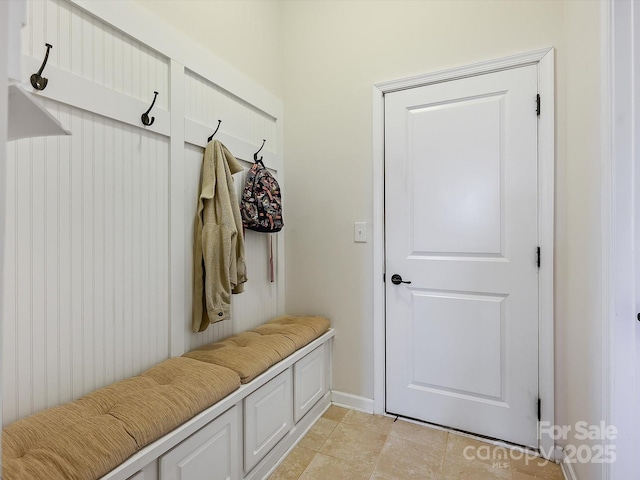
461,227
211,453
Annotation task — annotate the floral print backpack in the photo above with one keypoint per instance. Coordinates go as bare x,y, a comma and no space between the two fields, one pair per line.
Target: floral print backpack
261,204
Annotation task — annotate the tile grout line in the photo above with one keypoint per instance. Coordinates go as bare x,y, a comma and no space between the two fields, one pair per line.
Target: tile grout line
305,468
375,465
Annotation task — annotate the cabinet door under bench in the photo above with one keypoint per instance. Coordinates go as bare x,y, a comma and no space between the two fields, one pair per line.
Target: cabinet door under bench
268,417
310,380
211,453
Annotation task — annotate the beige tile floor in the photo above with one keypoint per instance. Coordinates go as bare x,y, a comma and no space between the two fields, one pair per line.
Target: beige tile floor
349,445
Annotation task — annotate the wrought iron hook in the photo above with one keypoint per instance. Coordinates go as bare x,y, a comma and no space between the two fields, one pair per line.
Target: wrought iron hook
217,128
145,115
255,155
37,80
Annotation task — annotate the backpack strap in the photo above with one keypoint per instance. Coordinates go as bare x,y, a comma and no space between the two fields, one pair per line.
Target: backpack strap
271,271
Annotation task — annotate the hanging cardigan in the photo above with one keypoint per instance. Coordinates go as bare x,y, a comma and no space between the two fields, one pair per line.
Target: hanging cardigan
218,251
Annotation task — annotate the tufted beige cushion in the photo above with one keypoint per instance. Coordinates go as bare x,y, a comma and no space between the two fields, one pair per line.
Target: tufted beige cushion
85,439
248,354
253,352
300,330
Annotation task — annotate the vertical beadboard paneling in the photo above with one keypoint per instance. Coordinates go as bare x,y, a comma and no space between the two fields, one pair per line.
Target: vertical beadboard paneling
99,224
24,309
87,248
64,262
207,103
75,264
51,268
87,219
10,303
119,287
86,273
162,289
38,241
109,250
86,46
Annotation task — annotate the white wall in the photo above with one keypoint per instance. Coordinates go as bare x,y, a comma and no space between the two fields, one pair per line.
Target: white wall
346,47
578,272
334,52
245,34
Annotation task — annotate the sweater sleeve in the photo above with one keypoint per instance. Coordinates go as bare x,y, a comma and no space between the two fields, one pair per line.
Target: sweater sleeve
199,320
217,240
219,268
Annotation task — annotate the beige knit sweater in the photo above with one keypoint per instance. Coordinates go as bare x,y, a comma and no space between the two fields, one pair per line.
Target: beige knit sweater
218,251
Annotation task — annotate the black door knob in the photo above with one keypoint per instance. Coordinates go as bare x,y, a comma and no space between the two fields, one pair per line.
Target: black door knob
397,279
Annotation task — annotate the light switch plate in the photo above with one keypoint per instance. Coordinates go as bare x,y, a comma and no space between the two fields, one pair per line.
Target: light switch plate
360,232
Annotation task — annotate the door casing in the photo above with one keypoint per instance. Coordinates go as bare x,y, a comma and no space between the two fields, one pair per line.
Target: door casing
620,27
544,59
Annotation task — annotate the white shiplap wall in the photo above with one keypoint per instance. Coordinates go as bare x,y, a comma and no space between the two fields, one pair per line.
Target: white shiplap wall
90,48
206,103
86,271
92,244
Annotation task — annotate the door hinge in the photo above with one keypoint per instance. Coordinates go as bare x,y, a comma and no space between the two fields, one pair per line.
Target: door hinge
538,261
539,409
538,104
384,278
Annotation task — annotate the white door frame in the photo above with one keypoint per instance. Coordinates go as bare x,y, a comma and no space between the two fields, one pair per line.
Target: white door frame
4,93
620,24
544,59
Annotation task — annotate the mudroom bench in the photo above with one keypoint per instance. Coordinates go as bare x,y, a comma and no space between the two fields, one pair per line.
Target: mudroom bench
229,410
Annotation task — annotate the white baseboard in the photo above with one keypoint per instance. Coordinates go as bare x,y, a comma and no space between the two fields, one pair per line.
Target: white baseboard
353,402
567,469
558,454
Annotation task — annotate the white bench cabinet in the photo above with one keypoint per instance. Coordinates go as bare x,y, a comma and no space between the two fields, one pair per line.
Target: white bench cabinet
212,452
247,433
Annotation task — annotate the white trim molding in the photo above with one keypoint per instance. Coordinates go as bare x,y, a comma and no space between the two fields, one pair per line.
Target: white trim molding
4,93
352,402
606,213
568,471
544,59
480,68
170,42
620,207
566,464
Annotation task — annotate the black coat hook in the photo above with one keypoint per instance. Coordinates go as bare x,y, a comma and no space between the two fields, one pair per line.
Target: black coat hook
255,155
37,80
217,128
145,115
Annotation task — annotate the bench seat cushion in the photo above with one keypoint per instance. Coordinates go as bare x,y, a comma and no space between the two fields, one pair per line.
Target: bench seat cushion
300,330
248,354
252,353
87,438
